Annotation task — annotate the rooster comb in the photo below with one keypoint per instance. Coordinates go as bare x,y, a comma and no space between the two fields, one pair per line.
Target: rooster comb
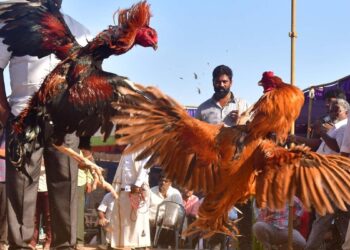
137,16
267,75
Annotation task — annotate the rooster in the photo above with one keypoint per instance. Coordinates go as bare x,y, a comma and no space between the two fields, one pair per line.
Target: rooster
76,95
229,164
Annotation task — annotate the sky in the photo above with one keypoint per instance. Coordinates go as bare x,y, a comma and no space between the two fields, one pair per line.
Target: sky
250,36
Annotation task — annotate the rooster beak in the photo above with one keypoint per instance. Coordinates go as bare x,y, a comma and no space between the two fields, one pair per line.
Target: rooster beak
155,46
260,83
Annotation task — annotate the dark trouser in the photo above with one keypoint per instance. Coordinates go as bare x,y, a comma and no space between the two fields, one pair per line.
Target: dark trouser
3,217
42,208
22,187
217,241
102,236
245,226
80,211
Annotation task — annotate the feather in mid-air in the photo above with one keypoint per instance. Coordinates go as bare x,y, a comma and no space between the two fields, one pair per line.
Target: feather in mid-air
76,95
228,164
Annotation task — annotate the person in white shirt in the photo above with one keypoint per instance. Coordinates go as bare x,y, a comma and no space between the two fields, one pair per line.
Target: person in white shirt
163,192
330,143
105,210
26,76
345,151
130,217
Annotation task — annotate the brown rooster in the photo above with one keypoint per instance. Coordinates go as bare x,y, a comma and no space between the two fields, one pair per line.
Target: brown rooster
76,95
228,164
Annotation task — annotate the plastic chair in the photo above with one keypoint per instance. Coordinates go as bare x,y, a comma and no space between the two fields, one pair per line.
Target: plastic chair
170,215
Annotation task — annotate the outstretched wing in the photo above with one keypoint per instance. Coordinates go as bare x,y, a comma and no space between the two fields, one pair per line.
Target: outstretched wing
318,180
275,112
190,151
35,29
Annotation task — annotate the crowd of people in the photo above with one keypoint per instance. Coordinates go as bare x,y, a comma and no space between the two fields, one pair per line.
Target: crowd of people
49,191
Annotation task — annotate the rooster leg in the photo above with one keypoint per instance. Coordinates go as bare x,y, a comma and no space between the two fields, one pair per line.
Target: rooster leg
95,170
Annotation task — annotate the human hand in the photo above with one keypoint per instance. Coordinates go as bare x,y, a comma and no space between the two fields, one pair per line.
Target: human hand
233,115
328,125
318,128
88,187
103,222
135,189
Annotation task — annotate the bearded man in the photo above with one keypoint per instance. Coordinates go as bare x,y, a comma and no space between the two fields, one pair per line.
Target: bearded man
225,108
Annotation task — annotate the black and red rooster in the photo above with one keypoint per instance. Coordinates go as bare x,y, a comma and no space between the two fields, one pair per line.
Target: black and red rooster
76,95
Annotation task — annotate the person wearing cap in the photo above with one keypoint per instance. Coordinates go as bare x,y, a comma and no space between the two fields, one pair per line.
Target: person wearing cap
225,108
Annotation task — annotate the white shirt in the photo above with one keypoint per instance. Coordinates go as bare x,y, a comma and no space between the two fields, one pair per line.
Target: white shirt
106,205
156,198
336,132
345,145
42,179
130,172
27,73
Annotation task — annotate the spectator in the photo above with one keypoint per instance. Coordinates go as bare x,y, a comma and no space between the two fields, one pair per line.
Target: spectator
42,211
104,216
130,216
3,217
224,107
189,201
163,192
26,76
271,227
330,143
330,140
84,186
329,97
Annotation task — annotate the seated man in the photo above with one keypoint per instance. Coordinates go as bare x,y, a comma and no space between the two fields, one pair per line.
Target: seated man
163,192
271,227
104,216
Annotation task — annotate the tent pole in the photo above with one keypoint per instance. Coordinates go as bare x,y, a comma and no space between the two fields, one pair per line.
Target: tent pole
292,36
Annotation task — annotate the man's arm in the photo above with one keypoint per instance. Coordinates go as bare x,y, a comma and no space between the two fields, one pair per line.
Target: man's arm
4,105
313,143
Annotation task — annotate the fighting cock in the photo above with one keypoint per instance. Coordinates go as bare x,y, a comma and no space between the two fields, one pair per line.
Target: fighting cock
228,164
77,94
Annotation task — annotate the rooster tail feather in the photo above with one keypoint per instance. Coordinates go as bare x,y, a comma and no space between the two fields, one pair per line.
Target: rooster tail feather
43,26
26,134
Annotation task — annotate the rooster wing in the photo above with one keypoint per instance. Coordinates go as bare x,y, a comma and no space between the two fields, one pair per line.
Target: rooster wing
316,179
191,152
43,27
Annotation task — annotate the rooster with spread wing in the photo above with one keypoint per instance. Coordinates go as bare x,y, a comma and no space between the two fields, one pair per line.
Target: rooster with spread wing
76,95
228,164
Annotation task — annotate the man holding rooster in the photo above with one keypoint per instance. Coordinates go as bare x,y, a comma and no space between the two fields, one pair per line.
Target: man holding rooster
26,74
